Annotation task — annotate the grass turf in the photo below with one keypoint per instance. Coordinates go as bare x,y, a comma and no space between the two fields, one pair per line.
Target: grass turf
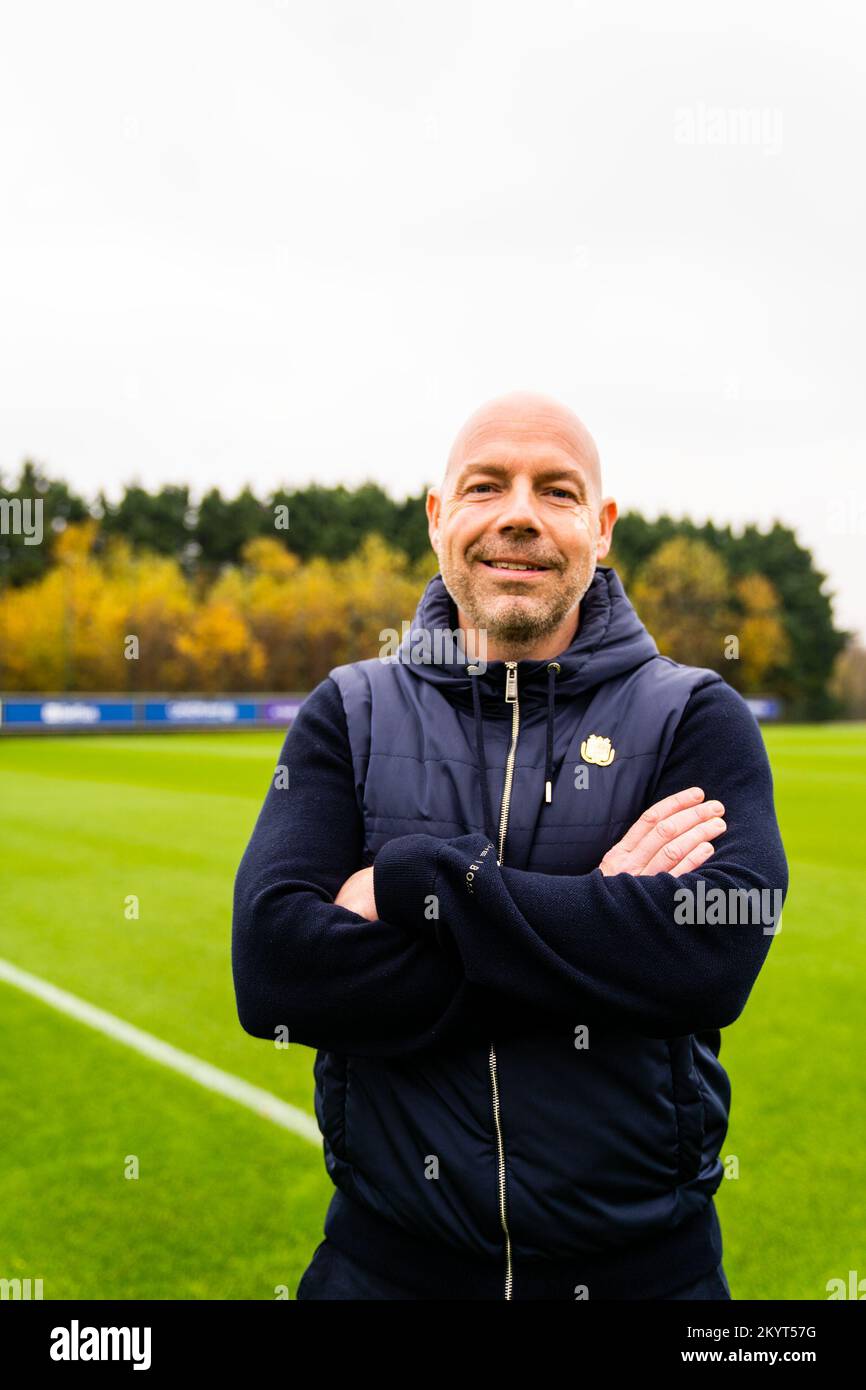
229,1206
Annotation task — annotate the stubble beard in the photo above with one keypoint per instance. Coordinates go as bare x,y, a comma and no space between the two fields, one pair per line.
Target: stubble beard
518,624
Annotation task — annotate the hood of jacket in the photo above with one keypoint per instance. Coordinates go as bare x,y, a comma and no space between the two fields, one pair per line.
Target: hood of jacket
610,640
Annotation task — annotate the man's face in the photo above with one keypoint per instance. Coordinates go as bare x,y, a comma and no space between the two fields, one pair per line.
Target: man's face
522,485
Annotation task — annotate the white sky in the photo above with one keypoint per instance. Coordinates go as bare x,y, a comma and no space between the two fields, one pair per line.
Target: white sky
275,242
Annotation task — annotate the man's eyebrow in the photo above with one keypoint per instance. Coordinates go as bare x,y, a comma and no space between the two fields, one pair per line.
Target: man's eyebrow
544,475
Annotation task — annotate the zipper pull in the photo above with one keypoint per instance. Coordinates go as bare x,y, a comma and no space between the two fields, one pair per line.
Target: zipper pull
511,682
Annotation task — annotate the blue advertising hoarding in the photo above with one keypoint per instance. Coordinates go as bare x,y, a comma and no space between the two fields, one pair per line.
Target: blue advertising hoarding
45,713
65,713
764,707
41,713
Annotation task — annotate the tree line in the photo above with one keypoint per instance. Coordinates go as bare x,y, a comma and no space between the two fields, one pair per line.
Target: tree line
249,593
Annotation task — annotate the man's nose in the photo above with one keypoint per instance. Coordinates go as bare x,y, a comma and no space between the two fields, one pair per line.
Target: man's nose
518,509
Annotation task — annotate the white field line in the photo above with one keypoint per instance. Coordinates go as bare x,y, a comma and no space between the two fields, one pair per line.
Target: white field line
212,1078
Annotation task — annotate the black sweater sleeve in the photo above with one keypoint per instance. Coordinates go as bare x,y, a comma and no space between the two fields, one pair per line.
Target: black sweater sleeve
331,978
611,949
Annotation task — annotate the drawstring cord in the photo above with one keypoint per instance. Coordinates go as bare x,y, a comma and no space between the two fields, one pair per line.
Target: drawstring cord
482,761
553,670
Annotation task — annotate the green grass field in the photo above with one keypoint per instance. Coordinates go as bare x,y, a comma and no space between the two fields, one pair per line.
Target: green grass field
227,1204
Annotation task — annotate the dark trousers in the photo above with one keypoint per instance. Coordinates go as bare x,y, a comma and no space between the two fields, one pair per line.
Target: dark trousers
332,1275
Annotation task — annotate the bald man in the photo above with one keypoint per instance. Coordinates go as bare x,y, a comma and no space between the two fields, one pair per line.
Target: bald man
481,899
549,460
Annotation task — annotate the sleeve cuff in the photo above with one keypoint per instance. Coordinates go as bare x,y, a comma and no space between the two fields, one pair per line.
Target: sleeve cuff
404,880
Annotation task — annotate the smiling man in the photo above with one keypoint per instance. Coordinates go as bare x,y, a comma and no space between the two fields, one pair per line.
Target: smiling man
517,1077
528,457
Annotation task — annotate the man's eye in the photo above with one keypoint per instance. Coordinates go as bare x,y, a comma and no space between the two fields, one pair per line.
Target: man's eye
564,492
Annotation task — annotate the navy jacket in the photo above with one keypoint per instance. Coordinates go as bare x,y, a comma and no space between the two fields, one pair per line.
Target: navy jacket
517,1076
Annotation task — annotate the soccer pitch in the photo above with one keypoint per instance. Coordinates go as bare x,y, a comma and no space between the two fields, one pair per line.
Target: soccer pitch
228,1204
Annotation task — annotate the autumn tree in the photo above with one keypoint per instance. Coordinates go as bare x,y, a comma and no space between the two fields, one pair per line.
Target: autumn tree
683,595
848,684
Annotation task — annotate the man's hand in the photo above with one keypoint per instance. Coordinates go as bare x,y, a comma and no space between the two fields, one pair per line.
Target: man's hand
357,895
672,837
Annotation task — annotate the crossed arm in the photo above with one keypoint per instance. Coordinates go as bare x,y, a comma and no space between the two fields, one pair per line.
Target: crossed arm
311,952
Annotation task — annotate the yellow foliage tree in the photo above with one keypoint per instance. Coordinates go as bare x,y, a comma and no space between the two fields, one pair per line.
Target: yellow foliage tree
71,629
116,619
218,651
763,642
683,595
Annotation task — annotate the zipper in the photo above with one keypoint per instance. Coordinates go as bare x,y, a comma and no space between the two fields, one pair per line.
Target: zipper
511,699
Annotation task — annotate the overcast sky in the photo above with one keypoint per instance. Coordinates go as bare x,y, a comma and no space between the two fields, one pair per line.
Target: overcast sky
276,242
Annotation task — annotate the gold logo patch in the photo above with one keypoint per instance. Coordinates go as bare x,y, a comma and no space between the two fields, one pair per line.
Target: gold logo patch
596,749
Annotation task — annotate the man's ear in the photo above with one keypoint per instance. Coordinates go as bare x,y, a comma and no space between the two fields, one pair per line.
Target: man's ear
434,508
606,521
